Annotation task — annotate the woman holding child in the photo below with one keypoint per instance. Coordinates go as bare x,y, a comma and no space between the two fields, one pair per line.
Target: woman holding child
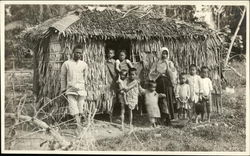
164,73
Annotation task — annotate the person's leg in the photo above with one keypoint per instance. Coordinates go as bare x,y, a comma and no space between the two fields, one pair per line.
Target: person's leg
185,113
203,105
81,105
152,121
122,114
208,105
179,113
168,120
130,118
74,111
73,108
197,112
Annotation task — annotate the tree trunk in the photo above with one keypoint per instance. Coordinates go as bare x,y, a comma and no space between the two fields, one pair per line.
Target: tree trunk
234,37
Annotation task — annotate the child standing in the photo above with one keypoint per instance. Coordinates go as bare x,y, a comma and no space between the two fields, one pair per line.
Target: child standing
131,92
122,63
151,102
122,80
182,96
206,87
111,77
194,82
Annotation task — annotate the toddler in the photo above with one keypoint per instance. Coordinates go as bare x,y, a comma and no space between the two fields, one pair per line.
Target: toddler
182,96
122,63
151,102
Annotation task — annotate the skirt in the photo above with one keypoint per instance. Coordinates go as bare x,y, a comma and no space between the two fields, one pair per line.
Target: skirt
166,105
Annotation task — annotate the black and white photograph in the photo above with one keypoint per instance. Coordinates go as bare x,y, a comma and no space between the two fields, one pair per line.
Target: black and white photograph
122,77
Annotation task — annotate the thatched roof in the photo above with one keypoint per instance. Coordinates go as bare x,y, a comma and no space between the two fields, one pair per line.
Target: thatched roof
110,24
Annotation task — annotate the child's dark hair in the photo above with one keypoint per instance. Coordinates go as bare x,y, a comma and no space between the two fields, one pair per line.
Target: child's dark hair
182,74
123,51
123,71
77,47
132,70
151,83
192,65
204,67
111,50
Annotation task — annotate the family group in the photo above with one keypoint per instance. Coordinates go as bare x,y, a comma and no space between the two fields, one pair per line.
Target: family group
168,95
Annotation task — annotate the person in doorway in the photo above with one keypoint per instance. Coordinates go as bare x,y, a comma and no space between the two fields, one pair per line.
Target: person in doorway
165,80
111,77
122,63
73,76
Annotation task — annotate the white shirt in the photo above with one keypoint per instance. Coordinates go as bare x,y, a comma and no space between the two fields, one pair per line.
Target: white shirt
183,92
194,82
72,77
206,86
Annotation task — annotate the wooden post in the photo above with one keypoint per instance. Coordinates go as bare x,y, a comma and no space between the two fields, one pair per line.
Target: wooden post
234,37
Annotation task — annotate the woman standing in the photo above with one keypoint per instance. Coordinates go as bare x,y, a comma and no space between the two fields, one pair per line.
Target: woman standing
165,75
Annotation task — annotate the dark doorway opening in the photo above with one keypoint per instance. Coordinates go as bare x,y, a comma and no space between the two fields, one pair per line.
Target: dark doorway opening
118,45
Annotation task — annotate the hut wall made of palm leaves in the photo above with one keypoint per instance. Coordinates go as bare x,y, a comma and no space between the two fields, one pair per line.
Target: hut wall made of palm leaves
56,37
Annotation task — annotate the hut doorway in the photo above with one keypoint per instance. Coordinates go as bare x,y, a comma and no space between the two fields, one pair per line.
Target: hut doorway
118,45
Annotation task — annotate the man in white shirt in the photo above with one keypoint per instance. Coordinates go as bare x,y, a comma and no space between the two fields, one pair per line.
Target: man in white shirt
73,77
206,87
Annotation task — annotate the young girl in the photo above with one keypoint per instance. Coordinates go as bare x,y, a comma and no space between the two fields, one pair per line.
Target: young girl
194,82
182,96
151,102
131,92
122,63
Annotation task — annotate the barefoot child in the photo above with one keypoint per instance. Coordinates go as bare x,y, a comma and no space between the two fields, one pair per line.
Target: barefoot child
131,93
122,80
182,96
151,102
206,87
195,89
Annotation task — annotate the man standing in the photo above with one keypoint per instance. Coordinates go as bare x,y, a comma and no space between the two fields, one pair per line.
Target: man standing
73,76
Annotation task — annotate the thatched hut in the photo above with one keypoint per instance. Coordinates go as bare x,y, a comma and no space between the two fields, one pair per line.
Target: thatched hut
97,31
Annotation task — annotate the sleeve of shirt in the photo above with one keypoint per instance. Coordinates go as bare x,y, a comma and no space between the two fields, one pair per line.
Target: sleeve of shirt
129,63
210,86
63,77
141,90
86,71
117,63
200,85
188,91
